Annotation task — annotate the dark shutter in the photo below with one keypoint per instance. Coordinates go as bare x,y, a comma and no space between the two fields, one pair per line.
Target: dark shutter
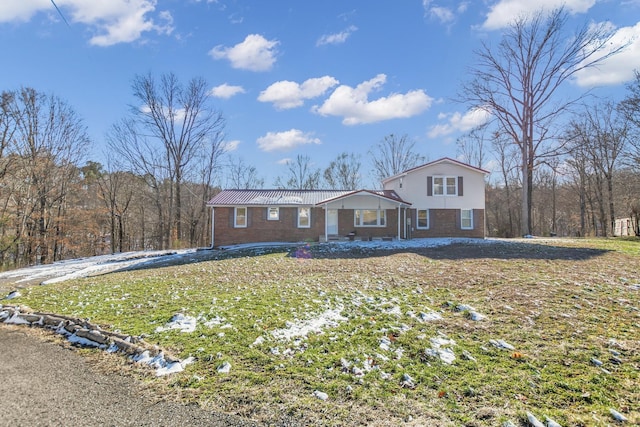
460,186
429,186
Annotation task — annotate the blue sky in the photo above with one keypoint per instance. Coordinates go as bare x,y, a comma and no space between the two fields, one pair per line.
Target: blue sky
316,78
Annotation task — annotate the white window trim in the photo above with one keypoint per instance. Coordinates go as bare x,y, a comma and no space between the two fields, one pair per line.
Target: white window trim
470,219
444,185
308,218
418,222
378,217
277,217
235,217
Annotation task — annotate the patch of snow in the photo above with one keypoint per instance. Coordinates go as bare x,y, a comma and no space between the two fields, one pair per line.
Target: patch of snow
617,415
13,294
320,395
533,420
16,319
502,344
429,316
407,381
441,349
225,368
302,328
180,322
73,338
258,341
160,364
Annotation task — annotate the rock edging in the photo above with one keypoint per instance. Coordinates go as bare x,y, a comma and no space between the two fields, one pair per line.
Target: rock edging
84,333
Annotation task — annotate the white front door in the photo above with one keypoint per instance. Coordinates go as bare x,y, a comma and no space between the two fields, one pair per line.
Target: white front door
332,221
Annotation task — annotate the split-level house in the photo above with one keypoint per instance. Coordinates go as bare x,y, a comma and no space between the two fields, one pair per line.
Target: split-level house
443,198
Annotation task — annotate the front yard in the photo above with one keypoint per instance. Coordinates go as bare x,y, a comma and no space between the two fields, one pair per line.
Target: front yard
474,333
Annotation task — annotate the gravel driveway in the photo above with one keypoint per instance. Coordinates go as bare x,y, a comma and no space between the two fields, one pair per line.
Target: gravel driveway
44,384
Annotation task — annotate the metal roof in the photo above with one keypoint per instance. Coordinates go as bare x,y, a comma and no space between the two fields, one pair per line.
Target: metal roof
291,197
274,197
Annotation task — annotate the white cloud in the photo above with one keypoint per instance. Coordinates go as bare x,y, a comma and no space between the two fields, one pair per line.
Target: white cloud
503,12
354,106
287,140
255,53
226,91
619,67
337,38
444,14
285,161
459,122
286,94
113,21
229,146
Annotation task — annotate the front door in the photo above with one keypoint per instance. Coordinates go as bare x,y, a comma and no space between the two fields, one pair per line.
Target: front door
332,221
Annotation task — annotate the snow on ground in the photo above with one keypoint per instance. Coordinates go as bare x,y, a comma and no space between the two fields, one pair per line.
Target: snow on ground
301,328
83,267
102,264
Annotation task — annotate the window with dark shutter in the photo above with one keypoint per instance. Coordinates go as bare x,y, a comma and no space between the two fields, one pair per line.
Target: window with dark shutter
429,186
459,186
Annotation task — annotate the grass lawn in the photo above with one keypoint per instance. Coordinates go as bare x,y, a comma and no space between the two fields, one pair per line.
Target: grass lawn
472,334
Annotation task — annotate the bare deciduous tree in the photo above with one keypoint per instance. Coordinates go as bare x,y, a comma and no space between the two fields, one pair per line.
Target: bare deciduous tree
393,155
47,143
472,147
171,132
517,83
602,135
343,173
301,175
242,176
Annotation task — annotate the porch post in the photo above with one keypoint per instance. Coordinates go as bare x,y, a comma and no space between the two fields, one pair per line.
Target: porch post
398,221
326,223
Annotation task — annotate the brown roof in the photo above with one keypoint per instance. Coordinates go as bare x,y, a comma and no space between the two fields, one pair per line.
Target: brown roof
291,197
443,159
274,197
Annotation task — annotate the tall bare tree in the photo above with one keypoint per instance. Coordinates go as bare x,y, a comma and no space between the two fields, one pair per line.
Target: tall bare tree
301,175
518,80
630,108
47,143
171,131
243,176
602,134
473,146
343,173
393,155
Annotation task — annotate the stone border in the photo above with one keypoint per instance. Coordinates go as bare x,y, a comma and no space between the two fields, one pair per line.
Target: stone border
82,332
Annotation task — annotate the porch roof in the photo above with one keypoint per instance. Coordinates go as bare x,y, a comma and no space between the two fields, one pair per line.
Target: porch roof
389,195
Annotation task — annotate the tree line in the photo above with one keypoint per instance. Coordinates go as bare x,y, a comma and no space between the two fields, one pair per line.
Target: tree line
560,167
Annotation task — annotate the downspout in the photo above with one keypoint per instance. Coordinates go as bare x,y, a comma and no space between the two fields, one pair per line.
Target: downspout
212,227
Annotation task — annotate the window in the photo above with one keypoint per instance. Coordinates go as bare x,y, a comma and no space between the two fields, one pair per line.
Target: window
240,217
466,219
304,217
369,218
273,214
445,186
423,218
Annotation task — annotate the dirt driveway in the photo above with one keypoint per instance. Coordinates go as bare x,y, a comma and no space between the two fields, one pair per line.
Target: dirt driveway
45,384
